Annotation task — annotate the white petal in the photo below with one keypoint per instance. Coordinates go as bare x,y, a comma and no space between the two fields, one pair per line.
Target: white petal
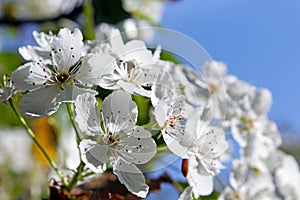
68,48
238,89
34,53
195,125
6,93
131,177
119,108
87,114
116,41
272,134
239,135
262,102
179,105
30,76
202,185
139,147
110,82
162,89
136,50
94,155
176,146
259,185
227,194
133,89
287,177
147,75
187,194
196,95
214,69
43,40
135,46
39,103
140,132
213,143
70,92
95,66
238,173
161,113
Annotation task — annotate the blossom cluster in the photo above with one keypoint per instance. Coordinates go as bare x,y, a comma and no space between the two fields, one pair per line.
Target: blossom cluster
195,114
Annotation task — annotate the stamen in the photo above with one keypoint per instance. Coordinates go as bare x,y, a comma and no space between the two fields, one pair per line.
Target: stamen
74,69
45,76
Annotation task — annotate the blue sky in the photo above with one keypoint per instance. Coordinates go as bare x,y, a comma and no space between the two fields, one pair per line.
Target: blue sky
258,40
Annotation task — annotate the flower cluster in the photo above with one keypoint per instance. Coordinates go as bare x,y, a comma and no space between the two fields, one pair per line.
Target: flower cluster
193,113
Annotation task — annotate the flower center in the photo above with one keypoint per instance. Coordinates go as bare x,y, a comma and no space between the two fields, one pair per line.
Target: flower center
248,123
112,140
130,65
63,77
236,195
172,121
199,145
212,88
131,70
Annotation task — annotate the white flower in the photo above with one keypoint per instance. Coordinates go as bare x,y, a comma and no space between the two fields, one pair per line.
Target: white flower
263,142
170,111
238,89
7,90
287,177
205,145
163,88
43,51
138,28
187,194
119,143
238,97
134,69
188,82
251,128
250,179
60,78
43,9
152,9
216,78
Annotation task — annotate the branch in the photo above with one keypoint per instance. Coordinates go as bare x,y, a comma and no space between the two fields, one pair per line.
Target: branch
104,187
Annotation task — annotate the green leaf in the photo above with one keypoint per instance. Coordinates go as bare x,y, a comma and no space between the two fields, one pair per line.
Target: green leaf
143,105
213,196
169,57
7,116
102,93
9,62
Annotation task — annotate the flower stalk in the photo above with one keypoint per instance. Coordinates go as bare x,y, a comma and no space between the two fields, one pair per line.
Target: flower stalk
80,167
35,140
89,22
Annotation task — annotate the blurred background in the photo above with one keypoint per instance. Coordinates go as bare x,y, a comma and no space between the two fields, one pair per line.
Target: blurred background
258,40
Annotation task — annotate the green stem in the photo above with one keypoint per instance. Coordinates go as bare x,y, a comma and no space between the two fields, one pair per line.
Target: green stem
88,12
80,167
161,148
72,118
140,15
77,176
87,174
32,135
